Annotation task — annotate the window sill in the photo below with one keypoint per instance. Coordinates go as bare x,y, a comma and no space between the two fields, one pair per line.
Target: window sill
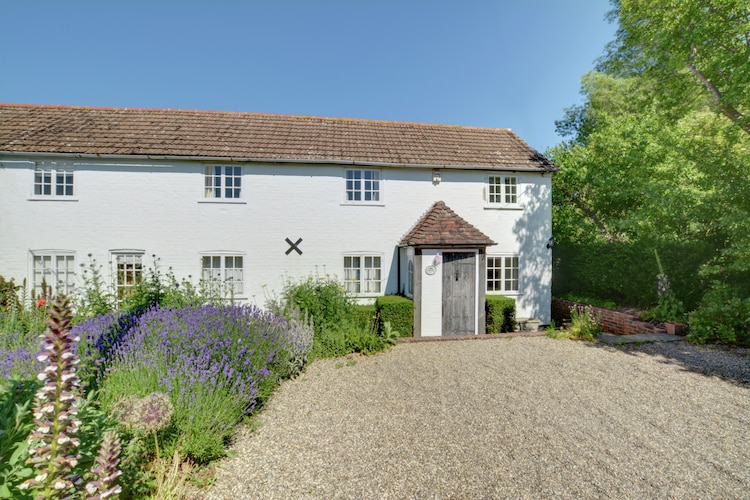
503,207
52,198
504,294
222,201
362,204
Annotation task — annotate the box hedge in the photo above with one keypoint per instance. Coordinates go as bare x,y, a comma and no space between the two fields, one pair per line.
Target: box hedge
500,313
399,311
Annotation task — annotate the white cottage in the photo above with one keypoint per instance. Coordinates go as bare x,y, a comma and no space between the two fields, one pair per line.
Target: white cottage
444,214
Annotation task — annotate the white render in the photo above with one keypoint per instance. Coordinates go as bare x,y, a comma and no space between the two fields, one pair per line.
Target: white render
157,206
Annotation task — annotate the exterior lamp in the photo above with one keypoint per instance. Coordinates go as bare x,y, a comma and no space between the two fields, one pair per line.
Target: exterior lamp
550,242
436,177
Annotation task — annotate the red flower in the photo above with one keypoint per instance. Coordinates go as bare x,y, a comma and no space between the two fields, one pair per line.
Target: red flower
41,302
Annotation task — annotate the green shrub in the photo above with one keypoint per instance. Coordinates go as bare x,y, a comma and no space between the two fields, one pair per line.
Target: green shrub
366,315
341,327
398,311
322,298
624,272
723,316
500,313
337,341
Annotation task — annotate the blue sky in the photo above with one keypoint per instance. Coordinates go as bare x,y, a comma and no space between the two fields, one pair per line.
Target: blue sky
491,63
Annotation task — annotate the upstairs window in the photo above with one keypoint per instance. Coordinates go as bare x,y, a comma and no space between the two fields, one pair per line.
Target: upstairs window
362,186
223,182
53,272
362,274
53,179
502,190
502,274
224,274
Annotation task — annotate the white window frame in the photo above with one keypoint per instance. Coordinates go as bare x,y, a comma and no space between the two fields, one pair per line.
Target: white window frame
54,268
363,274
502,190
504,278
363,186
222,182
131,274
53,181
224,272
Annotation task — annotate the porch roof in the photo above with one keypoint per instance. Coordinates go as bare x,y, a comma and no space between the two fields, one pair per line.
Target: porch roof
442,227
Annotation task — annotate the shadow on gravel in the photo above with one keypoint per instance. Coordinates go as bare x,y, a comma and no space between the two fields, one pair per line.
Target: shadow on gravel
729,363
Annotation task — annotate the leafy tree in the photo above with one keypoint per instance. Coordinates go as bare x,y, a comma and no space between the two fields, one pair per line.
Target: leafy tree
691,48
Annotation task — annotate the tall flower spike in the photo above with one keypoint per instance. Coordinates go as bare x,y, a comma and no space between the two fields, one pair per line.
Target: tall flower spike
106,473
53,446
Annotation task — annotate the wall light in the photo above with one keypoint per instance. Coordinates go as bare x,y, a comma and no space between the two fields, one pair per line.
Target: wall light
436,177
550,242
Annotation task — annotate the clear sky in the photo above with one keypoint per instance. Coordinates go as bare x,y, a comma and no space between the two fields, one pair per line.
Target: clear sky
487,63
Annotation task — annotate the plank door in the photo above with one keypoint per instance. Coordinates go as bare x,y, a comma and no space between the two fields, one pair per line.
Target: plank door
459,289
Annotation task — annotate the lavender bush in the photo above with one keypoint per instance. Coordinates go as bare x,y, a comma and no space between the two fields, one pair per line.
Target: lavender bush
214,362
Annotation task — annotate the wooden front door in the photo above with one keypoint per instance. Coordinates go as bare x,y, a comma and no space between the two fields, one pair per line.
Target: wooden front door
459,289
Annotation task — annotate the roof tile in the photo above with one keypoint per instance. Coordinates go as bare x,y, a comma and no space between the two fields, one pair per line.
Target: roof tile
441,226
214,134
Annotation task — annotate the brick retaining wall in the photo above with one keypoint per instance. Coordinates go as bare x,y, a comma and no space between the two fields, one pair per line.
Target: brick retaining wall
616,322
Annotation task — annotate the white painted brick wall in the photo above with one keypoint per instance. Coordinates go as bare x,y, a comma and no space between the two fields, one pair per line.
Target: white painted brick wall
158,207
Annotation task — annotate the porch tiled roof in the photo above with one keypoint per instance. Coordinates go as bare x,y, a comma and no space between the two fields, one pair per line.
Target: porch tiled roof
249,136
441,226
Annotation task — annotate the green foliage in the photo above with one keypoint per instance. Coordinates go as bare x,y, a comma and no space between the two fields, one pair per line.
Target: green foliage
583,323
341,327
658,156
605,304
366,315
15,425
692,48
723,316
398,311
322,298
500,312
348,338
623,272
95,297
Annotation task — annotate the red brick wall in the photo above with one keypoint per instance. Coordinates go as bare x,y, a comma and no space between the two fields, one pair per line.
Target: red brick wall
617,322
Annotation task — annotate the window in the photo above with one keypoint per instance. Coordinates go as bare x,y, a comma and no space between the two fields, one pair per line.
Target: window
128,272
224,273
362,274
53,272
53,179
362,186
503,189
223,181
502,274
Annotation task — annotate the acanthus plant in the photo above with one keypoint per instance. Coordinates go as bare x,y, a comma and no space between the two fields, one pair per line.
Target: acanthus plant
53,443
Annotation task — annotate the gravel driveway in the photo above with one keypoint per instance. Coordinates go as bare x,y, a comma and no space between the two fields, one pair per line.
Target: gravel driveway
503,418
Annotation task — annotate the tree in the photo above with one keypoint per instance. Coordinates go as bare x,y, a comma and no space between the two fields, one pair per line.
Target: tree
690,48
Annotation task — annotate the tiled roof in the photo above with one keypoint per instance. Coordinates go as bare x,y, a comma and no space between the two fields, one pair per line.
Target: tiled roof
248,136
441,226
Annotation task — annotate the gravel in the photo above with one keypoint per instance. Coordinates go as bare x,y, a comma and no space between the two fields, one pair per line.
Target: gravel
525,417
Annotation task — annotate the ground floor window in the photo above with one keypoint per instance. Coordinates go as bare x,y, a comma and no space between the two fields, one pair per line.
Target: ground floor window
128,272
362,274
224,273
502,274
53,272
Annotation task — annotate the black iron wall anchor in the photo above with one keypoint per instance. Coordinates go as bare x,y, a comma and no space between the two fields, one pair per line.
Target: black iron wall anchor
294,246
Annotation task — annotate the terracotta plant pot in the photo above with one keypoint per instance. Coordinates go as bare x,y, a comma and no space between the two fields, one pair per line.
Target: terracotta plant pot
676,328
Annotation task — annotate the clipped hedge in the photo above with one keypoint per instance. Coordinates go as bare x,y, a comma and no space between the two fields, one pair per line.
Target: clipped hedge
399,311
366,315
625,272
500,313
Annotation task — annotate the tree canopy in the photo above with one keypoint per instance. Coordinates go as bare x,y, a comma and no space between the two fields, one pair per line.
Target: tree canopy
660,149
